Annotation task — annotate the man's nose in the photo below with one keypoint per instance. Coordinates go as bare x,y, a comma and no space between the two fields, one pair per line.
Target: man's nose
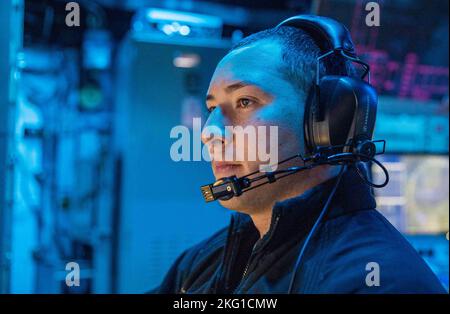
214,128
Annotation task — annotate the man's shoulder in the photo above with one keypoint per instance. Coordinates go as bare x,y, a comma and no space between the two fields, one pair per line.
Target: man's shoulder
364,225
366,235
214,241
365,241
210,245
194,257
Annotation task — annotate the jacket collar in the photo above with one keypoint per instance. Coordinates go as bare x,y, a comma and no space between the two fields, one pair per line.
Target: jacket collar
294,217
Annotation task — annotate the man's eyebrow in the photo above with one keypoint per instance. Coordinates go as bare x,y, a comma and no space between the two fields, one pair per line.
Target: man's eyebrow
235,86
231,88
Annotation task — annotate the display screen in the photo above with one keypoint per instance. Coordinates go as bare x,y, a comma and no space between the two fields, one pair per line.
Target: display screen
416,198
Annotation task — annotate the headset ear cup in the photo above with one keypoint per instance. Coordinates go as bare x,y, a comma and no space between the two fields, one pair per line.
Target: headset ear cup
339,105
308,119
349,109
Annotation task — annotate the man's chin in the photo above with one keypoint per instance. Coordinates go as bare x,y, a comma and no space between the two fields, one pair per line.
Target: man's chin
245,203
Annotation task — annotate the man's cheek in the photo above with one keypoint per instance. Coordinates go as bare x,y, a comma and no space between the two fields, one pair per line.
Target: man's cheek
289,142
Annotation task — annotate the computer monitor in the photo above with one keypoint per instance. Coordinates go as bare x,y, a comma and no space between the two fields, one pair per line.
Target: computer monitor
416,202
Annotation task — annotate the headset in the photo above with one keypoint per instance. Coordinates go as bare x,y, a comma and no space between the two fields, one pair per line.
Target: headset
340,110
339,121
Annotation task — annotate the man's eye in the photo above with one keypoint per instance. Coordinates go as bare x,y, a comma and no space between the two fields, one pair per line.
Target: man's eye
245,102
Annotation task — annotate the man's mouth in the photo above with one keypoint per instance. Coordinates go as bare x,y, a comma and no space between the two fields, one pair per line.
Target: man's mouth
225,169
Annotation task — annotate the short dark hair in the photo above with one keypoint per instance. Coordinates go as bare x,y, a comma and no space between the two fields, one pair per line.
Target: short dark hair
299,55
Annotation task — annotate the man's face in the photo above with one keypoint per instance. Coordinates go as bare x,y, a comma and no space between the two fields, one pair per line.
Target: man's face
248,89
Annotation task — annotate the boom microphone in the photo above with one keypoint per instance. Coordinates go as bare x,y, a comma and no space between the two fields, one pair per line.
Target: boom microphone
228,187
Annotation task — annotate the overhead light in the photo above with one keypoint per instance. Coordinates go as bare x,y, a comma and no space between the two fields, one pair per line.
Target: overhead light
152,21
186,60
184,30
168,29
186,17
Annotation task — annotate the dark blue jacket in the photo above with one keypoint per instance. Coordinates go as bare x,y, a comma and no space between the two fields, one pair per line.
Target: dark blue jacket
339,258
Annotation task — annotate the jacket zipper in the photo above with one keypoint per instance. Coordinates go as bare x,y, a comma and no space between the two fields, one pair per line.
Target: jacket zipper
248,263
251,259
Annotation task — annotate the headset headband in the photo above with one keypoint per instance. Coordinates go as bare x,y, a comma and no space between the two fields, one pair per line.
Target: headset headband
328,34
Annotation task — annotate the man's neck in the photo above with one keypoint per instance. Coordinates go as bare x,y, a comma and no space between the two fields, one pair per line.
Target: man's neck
304,181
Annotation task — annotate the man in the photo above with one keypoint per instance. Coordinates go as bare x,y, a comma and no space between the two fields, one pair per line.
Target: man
264,81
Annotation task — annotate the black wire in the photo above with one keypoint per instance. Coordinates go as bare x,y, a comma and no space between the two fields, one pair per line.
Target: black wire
281,162
365,65
336,159
353,157
286,172
316,224
290,170
370,183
